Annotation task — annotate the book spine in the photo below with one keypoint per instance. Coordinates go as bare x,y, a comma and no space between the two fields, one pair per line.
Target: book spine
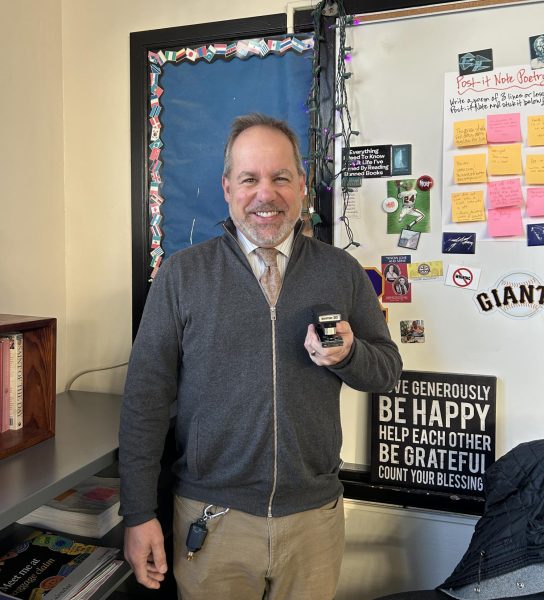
4,386
19,380
15,380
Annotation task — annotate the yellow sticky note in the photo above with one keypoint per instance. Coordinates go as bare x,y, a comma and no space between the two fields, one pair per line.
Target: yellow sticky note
535,130
469,168
534,169
504,159
467,206
469,133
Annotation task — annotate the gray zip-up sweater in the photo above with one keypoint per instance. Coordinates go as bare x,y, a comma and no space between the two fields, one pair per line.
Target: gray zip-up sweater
258,423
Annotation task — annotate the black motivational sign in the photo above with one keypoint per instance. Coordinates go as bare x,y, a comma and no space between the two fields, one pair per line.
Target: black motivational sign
368,162
434,431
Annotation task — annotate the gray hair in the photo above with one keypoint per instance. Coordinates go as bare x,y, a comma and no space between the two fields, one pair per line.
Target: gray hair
240,124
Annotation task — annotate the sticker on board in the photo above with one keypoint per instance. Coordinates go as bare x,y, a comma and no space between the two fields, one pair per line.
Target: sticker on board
476,61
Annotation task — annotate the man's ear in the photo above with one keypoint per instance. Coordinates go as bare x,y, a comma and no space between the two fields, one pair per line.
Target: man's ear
302,185
225,183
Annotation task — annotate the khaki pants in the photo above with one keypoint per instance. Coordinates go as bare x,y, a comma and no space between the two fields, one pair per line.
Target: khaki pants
245,557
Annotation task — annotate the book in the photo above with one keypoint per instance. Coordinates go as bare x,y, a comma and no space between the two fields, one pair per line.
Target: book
15,379
4,385
88,509
52,565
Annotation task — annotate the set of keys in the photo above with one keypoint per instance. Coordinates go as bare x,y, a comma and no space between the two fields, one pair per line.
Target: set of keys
199,530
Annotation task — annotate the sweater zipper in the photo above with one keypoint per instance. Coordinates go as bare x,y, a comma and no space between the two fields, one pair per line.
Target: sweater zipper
274,408
274,382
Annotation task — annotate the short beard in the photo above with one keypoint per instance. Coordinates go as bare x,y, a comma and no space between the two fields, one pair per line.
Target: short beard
261,236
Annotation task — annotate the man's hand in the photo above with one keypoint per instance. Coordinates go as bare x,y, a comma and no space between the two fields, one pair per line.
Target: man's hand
144,551
328,357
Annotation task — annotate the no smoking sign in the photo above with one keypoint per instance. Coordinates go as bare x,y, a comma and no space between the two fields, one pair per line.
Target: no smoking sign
463,277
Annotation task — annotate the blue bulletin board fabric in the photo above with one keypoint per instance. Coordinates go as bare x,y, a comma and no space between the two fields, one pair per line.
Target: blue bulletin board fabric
192,104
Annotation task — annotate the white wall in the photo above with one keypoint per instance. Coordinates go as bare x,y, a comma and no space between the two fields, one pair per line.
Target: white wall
32,240
391,549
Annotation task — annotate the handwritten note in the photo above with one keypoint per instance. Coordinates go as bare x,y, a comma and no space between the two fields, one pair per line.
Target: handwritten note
535,202
503,128
469,133
467,206
505,192
504,159
469,168
534,169
502,222
535,130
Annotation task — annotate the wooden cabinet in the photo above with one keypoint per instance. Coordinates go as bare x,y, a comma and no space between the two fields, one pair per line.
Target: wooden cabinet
39,381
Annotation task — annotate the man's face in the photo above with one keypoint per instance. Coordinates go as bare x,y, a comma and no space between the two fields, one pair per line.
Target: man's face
539,46
264,190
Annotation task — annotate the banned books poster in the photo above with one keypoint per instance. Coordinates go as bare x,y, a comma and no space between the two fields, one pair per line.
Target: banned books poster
434,431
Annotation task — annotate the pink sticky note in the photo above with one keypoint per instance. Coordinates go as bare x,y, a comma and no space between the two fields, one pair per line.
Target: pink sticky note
503,128
504,192
535,202
506,221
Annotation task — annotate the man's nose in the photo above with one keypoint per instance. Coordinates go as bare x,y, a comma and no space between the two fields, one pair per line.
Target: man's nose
266,189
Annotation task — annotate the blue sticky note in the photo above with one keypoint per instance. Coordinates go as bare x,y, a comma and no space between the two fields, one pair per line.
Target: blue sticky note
458,243
535,234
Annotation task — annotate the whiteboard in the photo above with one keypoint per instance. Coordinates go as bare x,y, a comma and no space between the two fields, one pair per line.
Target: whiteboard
396,96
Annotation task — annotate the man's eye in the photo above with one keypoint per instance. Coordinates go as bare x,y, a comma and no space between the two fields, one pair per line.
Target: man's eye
282,179
248,180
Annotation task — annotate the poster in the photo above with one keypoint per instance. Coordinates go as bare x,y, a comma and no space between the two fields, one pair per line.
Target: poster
413,210
366,162
434,431
492,149
396,285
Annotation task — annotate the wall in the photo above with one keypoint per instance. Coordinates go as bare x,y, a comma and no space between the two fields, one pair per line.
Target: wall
32,239
391,549
97,169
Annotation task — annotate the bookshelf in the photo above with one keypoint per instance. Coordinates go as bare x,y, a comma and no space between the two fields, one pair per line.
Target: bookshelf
85,443
39,381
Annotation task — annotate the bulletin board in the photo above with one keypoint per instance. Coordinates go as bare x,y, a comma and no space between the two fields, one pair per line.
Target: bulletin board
187,86
463,314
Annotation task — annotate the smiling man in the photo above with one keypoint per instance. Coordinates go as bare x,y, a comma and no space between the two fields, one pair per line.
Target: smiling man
227,336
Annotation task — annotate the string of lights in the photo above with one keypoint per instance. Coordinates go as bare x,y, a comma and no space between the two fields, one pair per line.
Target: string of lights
326,129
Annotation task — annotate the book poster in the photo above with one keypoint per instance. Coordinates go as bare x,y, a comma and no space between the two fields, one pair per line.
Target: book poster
434,431
396,285
367,162
414,206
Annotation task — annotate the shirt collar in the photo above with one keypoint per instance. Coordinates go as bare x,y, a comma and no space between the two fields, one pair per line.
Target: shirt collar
285,247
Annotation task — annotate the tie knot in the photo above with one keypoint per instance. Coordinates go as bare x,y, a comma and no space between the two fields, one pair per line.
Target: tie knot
268,256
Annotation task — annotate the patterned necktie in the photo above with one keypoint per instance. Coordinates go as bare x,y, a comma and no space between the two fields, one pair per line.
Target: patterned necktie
271,278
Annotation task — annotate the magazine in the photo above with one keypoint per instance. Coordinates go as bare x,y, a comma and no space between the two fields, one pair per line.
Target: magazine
89,509
48,563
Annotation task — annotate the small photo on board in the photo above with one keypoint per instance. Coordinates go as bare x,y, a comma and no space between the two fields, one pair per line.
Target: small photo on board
536,44
401,159
409,239
476,61
535,234
414,210
458,243
412,332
